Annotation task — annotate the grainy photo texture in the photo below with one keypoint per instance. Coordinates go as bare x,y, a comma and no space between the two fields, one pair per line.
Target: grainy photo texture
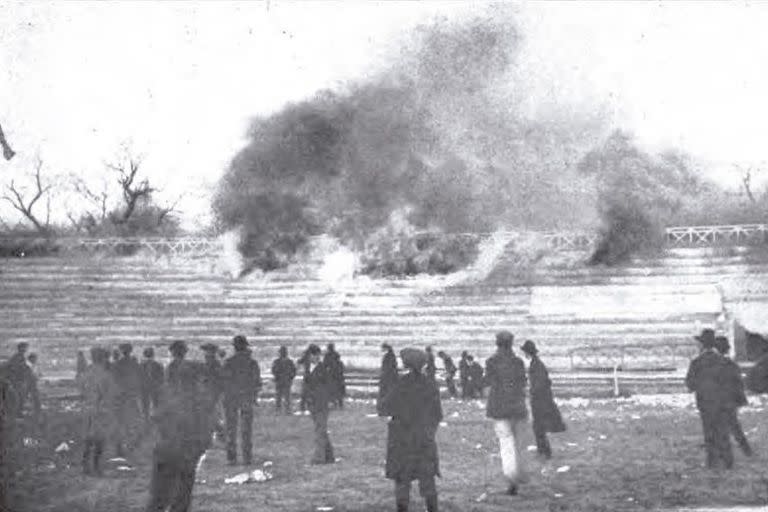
383,256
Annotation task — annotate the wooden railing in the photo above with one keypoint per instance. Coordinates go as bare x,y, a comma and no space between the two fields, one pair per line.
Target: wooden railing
738,234
621,355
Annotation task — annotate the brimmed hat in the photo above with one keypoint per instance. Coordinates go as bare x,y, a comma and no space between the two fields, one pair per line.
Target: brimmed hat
209,347
239,342
178,346
706,338
413,358
504,339
529,347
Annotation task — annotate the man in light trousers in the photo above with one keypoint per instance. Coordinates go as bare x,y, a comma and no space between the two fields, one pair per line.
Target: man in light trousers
505,374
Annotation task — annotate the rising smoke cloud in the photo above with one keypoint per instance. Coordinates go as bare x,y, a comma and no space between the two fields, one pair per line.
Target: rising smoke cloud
440,134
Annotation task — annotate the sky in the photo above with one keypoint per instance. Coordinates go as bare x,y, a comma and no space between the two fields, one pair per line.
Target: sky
177,82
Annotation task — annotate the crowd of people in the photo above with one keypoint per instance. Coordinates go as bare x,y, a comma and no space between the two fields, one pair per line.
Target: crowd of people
187,401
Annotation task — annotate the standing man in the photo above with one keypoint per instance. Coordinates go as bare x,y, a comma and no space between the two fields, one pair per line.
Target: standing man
450,373
242,383
388,375
464,375
708,377
151,382
212,381
304,363
739,398
414,405
127,374
317,383
20,376
283,371
431,371
178,350
98,389
546,415
335,368
475,378
505,374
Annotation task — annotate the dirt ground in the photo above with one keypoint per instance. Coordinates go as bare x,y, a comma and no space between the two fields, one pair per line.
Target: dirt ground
640,453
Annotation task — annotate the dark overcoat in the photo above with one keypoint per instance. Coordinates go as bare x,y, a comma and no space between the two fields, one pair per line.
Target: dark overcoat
505,374
414,405
241,379
387,377
714,381
317,388
283,371
335,370
544,410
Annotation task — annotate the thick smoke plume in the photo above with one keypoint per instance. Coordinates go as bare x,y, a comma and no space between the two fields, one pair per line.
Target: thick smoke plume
440,136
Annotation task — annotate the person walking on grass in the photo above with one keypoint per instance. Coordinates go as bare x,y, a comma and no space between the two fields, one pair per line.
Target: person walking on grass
450,373
505,374
713,383
242,383
415,410
283,371
184,425
127,374
98,389
546,415
740,399
335,368
318,394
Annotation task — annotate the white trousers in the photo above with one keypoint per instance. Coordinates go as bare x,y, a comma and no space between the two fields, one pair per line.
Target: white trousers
508,431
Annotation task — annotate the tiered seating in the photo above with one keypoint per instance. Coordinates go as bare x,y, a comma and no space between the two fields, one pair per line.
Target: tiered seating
62,305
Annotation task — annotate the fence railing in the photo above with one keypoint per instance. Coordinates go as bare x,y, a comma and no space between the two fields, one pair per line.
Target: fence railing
717,235
631,356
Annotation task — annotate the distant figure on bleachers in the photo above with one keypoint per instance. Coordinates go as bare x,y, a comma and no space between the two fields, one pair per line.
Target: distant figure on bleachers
241,378
464,374
724,347
99,390
127,374
335,369
450,373
388,375
283,372
546,415
20,376
431,370
152,377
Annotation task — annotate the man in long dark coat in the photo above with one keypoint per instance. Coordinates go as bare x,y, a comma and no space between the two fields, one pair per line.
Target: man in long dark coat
98,389
184,423
546,415
709,377
178,350
283,371
475,383
20,375
152,377
242,383
335,369
318,393
213,382
464,375
505,374
723,346
387,376
450,373
414,405
127,374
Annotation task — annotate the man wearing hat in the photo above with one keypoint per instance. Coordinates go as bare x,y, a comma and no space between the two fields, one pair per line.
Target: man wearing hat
546,415
241,379
152,376
708,377
505,374
283,371
127,374
317,386
415,410
740,399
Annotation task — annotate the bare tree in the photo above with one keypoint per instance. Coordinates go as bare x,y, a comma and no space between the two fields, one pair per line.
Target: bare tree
747,174
99,198
132,188
16,197
8,153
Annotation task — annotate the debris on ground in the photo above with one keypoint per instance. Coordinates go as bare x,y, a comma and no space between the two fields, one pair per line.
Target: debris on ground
257,475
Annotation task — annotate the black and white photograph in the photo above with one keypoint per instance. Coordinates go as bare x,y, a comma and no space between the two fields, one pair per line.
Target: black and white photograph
370,256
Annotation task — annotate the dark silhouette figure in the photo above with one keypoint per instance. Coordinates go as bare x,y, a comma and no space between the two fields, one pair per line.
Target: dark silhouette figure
450,373
335,370
546,415
388,375
283,371
242,383
723,346
152,377
318,389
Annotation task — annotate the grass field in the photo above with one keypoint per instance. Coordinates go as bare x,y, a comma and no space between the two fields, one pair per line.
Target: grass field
640,453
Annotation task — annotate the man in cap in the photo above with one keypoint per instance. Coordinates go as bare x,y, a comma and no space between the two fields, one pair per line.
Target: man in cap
708,377
184,424
546,415
152,376
740,399
505,374
127,374
450,373
178,350
318,394
414,405
283,371
242,383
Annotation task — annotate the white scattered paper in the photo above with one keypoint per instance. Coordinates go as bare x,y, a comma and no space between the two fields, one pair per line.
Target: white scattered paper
563,469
